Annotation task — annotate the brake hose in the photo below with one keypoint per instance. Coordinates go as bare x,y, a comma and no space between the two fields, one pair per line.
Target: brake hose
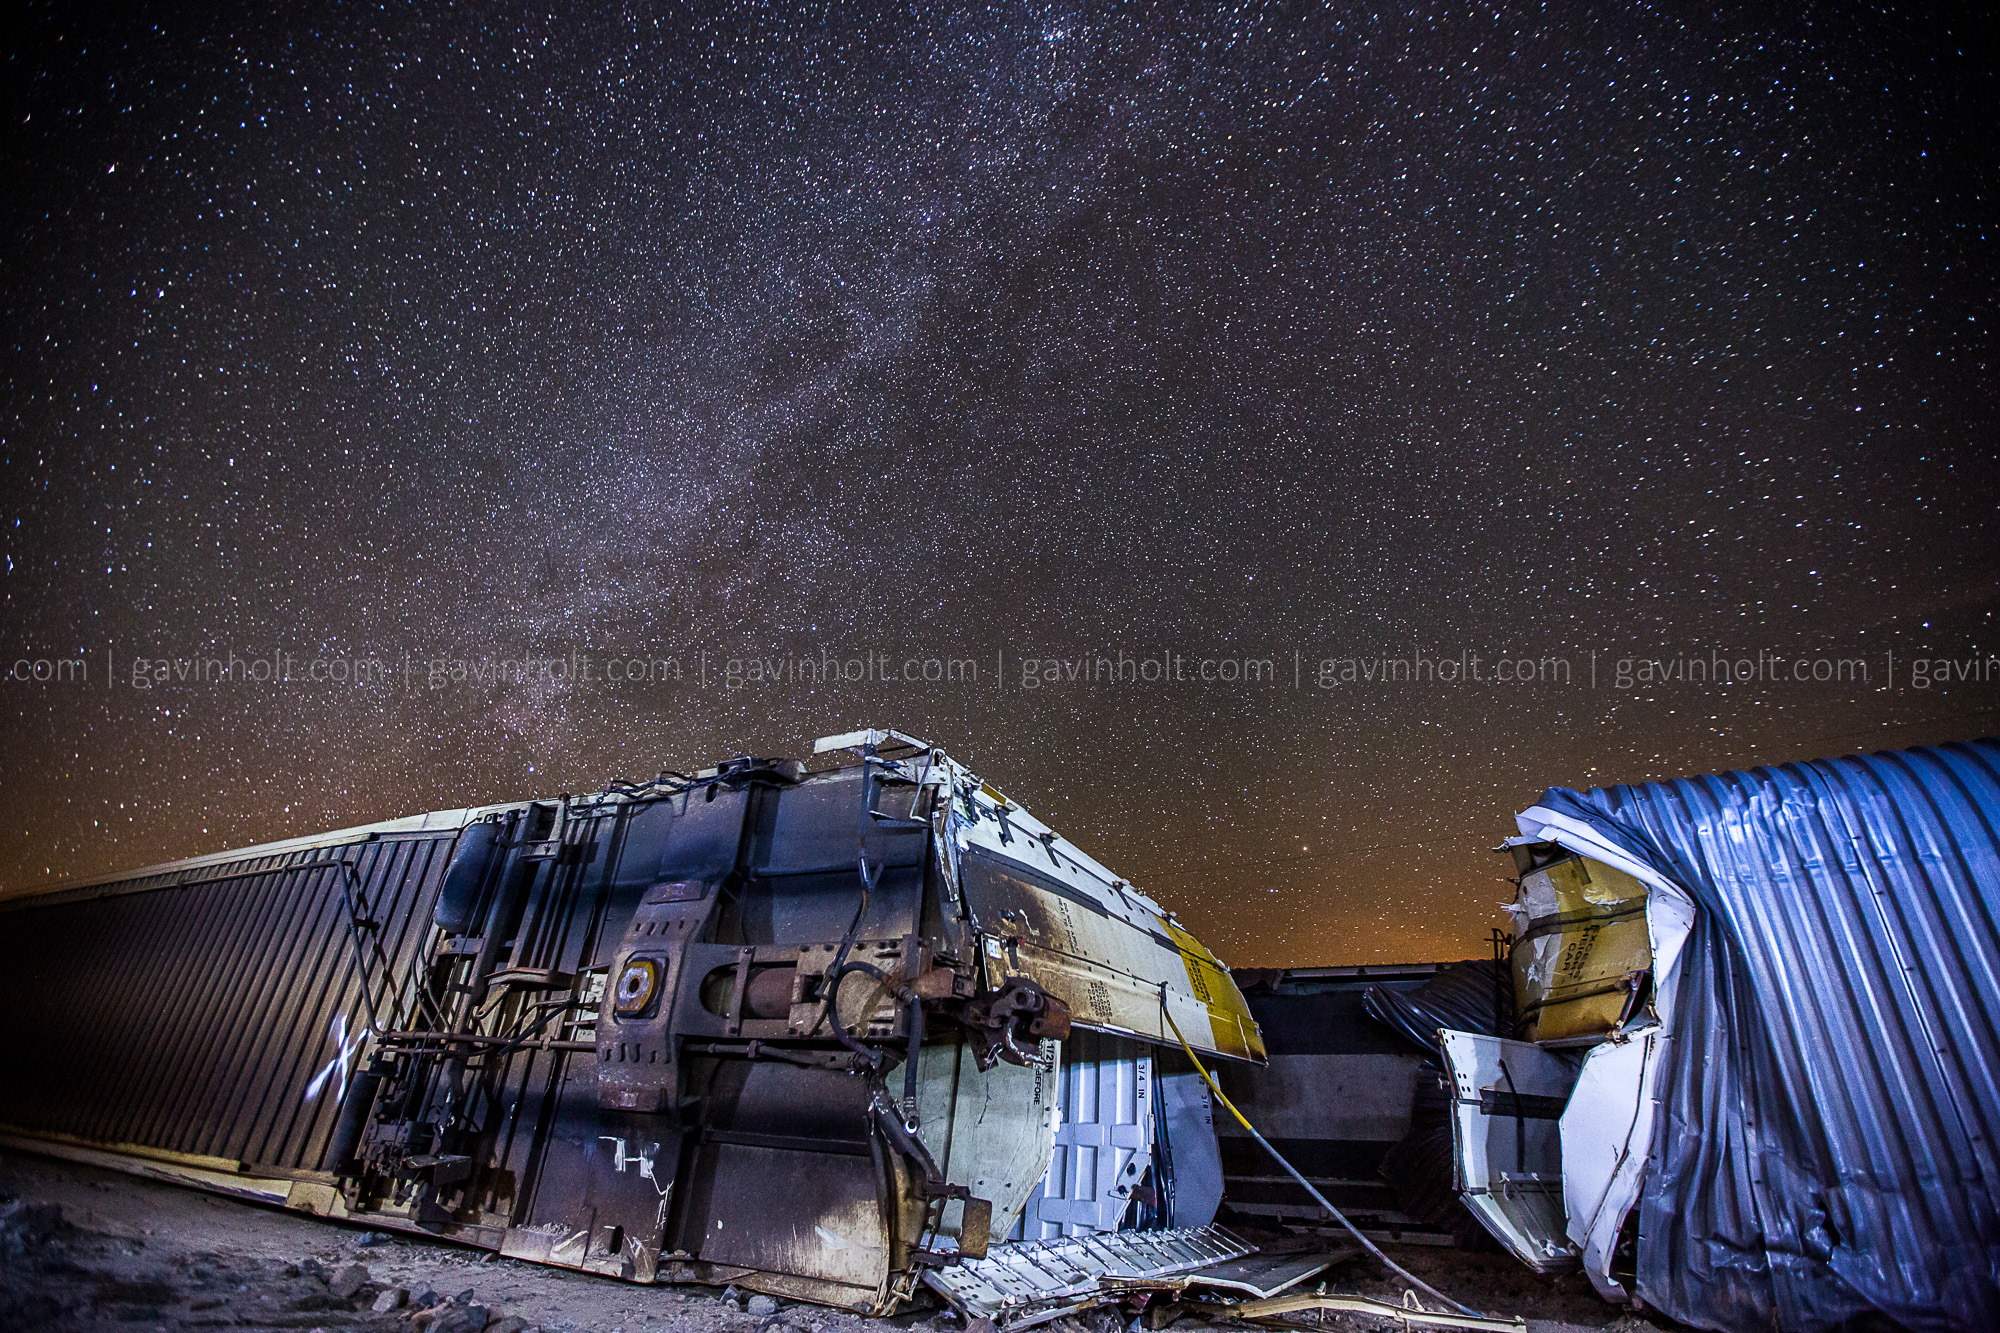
914,1009
1292,1171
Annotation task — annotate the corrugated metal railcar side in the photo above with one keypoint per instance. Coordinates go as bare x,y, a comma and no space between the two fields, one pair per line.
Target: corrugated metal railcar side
1829,1103
192,1011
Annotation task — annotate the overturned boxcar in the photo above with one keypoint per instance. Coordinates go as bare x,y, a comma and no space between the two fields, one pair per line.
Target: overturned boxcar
833,1030
1753,1072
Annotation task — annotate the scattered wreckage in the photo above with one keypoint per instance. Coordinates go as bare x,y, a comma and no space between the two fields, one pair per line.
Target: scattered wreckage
863,1032
848,1033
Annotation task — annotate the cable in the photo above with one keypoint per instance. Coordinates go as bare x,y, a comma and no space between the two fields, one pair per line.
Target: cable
1318,1198
847,1039
913,1008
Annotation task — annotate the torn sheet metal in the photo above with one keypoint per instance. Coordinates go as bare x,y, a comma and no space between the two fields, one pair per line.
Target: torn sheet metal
1507,1098
1470,996
1812,1132
1023,1284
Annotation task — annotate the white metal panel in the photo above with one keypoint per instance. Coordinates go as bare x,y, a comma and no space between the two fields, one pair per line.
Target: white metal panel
1600,1140
1193,1165
992,1130
1597,1198
1104,1139
1509,1165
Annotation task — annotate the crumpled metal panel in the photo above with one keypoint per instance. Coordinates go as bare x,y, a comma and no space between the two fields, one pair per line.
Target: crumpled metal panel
1021,1284
1461,997
1828,1141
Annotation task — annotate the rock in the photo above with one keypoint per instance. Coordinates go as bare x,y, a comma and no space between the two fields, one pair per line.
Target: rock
314,1268
463,1297
460,1319
368,1238
733,1296
348,1282
513,1323
425,1299
300,1293
761,1304
392,1299
31,1222
28,1234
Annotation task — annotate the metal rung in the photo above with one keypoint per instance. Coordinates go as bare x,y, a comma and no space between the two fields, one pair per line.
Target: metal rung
1025,1283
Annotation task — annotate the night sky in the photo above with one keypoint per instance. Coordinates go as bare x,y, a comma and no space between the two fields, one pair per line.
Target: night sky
469,334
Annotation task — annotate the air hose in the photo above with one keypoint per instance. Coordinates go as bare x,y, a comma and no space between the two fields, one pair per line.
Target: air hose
913,1007
1304,1184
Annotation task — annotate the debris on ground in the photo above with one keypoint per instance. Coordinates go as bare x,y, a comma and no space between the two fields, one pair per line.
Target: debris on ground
89,1251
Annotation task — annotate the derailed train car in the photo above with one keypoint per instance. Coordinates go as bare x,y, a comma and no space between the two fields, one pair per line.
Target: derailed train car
1753,1077
834,1035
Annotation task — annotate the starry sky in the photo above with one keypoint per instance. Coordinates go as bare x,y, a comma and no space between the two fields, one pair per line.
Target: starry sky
422,335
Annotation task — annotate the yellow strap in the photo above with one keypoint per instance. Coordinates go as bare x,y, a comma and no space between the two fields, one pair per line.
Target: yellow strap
1293,1171
1202,1069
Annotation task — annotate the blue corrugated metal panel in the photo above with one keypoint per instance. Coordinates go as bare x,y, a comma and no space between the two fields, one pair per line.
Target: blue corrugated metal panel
1829,1115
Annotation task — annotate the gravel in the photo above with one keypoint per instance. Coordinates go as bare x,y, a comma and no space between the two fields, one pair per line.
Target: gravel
84,1250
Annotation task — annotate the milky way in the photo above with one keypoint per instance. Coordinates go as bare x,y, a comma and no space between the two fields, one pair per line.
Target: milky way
420,335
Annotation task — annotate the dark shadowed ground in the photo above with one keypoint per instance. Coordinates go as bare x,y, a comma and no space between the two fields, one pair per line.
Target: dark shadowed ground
89,1251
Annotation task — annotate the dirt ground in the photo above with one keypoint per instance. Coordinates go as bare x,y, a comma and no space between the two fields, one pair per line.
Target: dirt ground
84,1250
